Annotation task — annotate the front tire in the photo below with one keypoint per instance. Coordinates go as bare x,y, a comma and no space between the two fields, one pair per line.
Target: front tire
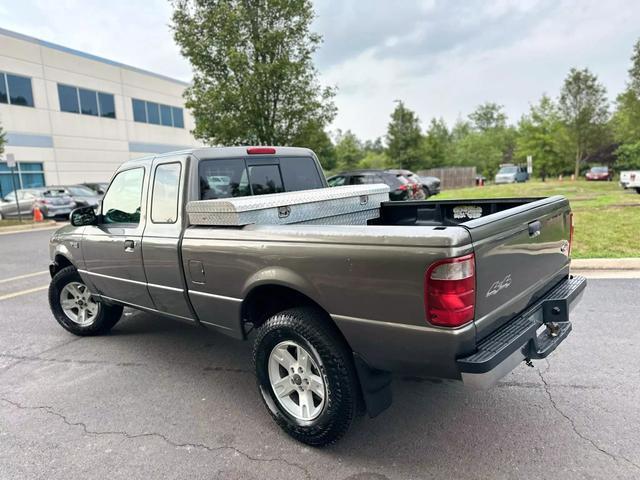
74,308
306,375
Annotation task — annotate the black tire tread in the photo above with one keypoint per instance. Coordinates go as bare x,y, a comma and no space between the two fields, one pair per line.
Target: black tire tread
342,397
107,319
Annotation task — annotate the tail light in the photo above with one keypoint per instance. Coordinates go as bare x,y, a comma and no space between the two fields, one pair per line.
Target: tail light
402,187
450,291
570,232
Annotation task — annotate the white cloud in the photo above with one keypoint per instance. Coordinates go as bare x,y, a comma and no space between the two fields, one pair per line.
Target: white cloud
442,58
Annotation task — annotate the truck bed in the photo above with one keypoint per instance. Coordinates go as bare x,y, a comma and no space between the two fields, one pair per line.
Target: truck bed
370,278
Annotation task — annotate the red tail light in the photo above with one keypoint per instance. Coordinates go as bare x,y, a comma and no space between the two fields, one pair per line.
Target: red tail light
261,150
570,232
450,291
402,187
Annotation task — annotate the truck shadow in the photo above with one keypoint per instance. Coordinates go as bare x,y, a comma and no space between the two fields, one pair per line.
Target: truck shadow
429,418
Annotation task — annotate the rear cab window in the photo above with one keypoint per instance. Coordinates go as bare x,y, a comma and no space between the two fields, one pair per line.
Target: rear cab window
241,177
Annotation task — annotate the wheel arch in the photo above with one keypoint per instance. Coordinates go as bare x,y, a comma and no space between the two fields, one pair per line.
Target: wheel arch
60,261
266,299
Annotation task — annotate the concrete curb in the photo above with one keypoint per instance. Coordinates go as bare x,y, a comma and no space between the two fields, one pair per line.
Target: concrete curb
584,264
32,227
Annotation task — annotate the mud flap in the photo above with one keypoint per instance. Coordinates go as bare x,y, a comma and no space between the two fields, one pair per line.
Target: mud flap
375,386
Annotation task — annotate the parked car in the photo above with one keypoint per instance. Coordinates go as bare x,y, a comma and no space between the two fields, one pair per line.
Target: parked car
511,174
429,185
53,203
81,195
26,197
599,174
634,182
455,289
401,187
628,176
100,187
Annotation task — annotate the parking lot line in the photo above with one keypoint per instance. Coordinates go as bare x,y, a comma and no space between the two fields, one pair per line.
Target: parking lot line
22,292
26,275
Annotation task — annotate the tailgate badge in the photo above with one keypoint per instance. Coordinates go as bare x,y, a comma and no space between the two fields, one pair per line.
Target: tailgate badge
499,285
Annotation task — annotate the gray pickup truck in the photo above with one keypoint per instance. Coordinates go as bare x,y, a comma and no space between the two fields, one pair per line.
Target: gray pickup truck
460,290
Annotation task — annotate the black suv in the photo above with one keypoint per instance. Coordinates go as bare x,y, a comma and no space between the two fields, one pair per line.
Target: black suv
401,188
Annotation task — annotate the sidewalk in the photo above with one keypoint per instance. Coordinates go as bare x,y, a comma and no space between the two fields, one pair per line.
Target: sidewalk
606,267
30,227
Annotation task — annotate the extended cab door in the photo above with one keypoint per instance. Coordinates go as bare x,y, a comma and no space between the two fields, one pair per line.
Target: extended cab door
113,249
162,236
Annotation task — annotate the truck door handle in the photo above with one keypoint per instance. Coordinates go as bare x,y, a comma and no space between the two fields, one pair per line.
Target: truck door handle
534,228
129,245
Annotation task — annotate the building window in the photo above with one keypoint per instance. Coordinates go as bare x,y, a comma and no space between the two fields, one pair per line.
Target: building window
87,102
153,113
157,113
68,99
16,90
106,104
139,111
26,175
178,121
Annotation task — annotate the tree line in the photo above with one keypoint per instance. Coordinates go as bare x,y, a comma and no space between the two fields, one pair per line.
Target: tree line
255,83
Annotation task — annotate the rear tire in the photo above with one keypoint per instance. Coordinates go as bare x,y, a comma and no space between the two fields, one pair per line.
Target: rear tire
74,309
328,388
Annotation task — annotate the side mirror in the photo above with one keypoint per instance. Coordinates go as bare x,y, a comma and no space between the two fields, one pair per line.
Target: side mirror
83,216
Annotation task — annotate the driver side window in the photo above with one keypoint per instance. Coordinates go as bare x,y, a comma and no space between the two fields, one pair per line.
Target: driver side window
122,202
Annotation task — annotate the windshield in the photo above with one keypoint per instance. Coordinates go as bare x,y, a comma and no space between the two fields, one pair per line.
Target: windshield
508,170
599,169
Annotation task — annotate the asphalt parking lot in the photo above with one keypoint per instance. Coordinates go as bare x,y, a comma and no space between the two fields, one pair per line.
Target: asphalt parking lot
158,399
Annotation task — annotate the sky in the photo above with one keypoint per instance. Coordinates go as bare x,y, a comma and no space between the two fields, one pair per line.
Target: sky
442,58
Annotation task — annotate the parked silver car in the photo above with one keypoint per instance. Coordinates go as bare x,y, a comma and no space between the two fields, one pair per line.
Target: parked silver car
81,195
26,198
53,203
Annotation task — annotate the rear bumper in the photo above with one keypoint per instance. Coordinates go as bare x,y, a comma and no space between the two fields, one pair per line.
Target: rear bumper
520,339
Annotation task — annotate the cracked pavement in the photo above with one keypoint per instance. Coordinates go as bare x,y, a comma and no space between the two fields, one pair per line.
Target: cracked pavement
158,399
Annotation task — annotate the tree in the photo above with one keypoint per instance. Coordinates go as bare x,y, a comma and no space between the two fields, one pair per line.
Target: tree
437,144
348,150
626,119
485,141
634,71
404,138
313,136
488,116
542,135
584,109
254,81
374,146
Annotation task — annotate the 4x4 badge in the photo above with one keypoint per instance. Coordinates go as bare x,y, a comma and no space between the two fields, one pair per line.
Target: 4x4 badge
499,285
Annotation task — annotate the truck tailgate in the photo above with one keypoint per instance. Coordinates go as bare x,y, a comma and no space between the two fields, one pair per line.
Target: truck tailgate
520,253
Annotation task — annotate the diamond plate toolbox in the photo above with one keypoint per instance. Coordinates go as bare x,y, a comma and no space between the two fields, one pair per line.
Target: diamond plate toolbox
349,205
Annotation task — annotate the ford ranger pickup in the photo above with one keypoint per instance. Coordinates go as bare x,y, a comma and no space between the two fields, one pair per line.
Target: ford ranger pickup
455,289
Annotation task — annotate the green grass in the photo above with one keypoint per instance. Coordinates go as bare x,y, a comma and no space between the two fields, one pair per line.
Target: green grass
12,222
606,217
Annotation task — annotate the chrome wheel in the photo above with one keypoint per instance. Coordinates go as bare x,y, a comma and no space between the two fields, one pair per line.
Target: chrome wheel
77,304
296,381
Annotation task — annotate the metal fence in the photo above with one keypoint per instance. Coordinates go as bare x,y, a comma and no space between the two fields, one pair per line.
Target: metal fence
452,177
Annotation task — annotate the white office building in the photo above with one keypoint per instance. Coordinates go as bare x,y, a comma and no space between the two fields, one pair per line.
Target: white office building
71,117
